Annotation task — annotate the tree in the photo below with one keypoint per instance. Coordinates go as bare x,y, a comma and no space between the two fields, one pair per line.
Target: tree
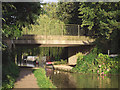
48,22
17,15
68,12
50,10
102,18
46,25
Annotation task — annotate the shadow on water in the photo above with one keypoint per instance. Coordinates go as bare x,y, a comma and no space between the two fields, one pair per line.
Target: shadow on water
76,80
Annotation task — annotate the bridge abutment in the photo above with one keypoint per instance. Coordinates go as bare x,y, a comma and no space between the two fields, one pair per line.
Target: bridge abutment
72,51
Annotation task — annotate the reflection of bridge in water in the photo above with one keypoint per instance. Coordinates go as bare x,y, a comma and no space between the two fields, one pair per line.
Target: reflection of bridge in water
70,36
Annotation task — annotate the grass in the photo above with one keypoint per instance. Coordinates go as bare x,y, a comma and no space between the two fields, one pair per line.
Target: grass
42,80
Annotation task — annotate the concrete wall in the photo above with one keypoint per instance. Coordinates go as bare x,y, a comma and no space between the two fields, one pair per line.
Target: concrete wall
72,51
53,40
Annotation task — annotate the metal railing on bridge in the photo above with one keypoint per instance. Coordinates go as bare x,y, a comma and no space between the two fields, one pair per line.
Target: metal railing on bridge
63,32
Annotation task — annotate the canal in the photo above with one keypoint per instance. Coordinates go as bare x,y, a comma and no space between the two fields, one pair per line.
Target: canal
63,79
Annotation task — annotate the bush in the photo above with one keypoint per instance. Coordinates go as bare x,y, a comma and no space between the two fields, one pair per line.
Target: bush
85,64
107,64
8,83
10,72
60,62
96,62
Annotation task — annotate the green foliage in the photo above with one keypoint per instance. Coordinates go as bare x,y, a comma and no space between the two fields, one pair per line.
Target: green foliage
102,15
17,15
20,13
46,26
60,62
11,31
50,10
9,83
107,64
57,58
10,72
42,51
86,64
43,81
68,12
97,63
101,18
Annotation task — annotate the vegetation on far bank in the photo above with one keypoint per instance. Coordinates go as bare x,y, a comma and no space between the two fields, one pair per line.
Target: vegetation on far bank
60,62
42,80
98,63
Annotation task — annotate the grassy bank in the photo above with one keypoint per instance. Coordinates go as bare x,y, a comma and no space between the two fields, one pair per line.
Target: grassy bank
42,80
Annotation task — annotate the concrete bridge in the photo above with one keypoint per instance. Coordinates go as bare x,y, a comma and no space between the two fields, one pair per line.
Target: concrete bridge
54,40
77,42
74,44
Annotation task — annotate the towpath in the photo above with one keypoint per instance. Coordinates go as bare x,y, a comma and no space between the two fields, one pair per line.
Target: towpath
26,79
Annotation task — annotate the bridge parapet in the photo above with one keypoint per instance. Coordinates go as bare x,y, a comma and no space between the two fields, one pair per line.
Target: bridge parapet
61,30
54,40
69,34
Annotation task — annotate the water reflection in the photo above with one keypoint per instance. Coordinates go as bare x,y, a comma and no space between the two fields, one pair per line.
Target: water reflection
75,80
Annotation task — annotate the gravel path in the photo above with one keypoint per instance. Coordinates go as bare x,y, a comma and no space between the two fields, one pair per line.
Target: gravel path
26,79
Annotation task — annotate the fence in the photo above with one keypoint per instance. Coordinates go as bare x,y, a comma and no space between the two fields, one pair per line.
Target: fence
68,31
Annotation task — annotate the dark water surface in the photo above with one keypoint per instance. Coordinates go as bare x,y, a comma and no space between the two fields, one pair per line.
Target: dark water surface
76,80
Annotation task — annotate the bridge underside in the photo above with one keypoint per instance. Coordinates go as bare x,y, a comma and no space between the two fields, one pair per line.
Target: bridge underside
50,45
71,50
53,43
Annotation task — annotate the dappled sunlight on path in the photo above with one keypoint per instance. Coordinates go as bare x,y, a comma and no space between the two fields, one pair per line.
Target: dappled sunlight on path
26,79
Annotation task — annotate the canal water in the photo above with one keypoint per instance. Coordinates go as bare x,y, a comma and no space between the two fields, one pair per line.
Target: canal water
63,79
